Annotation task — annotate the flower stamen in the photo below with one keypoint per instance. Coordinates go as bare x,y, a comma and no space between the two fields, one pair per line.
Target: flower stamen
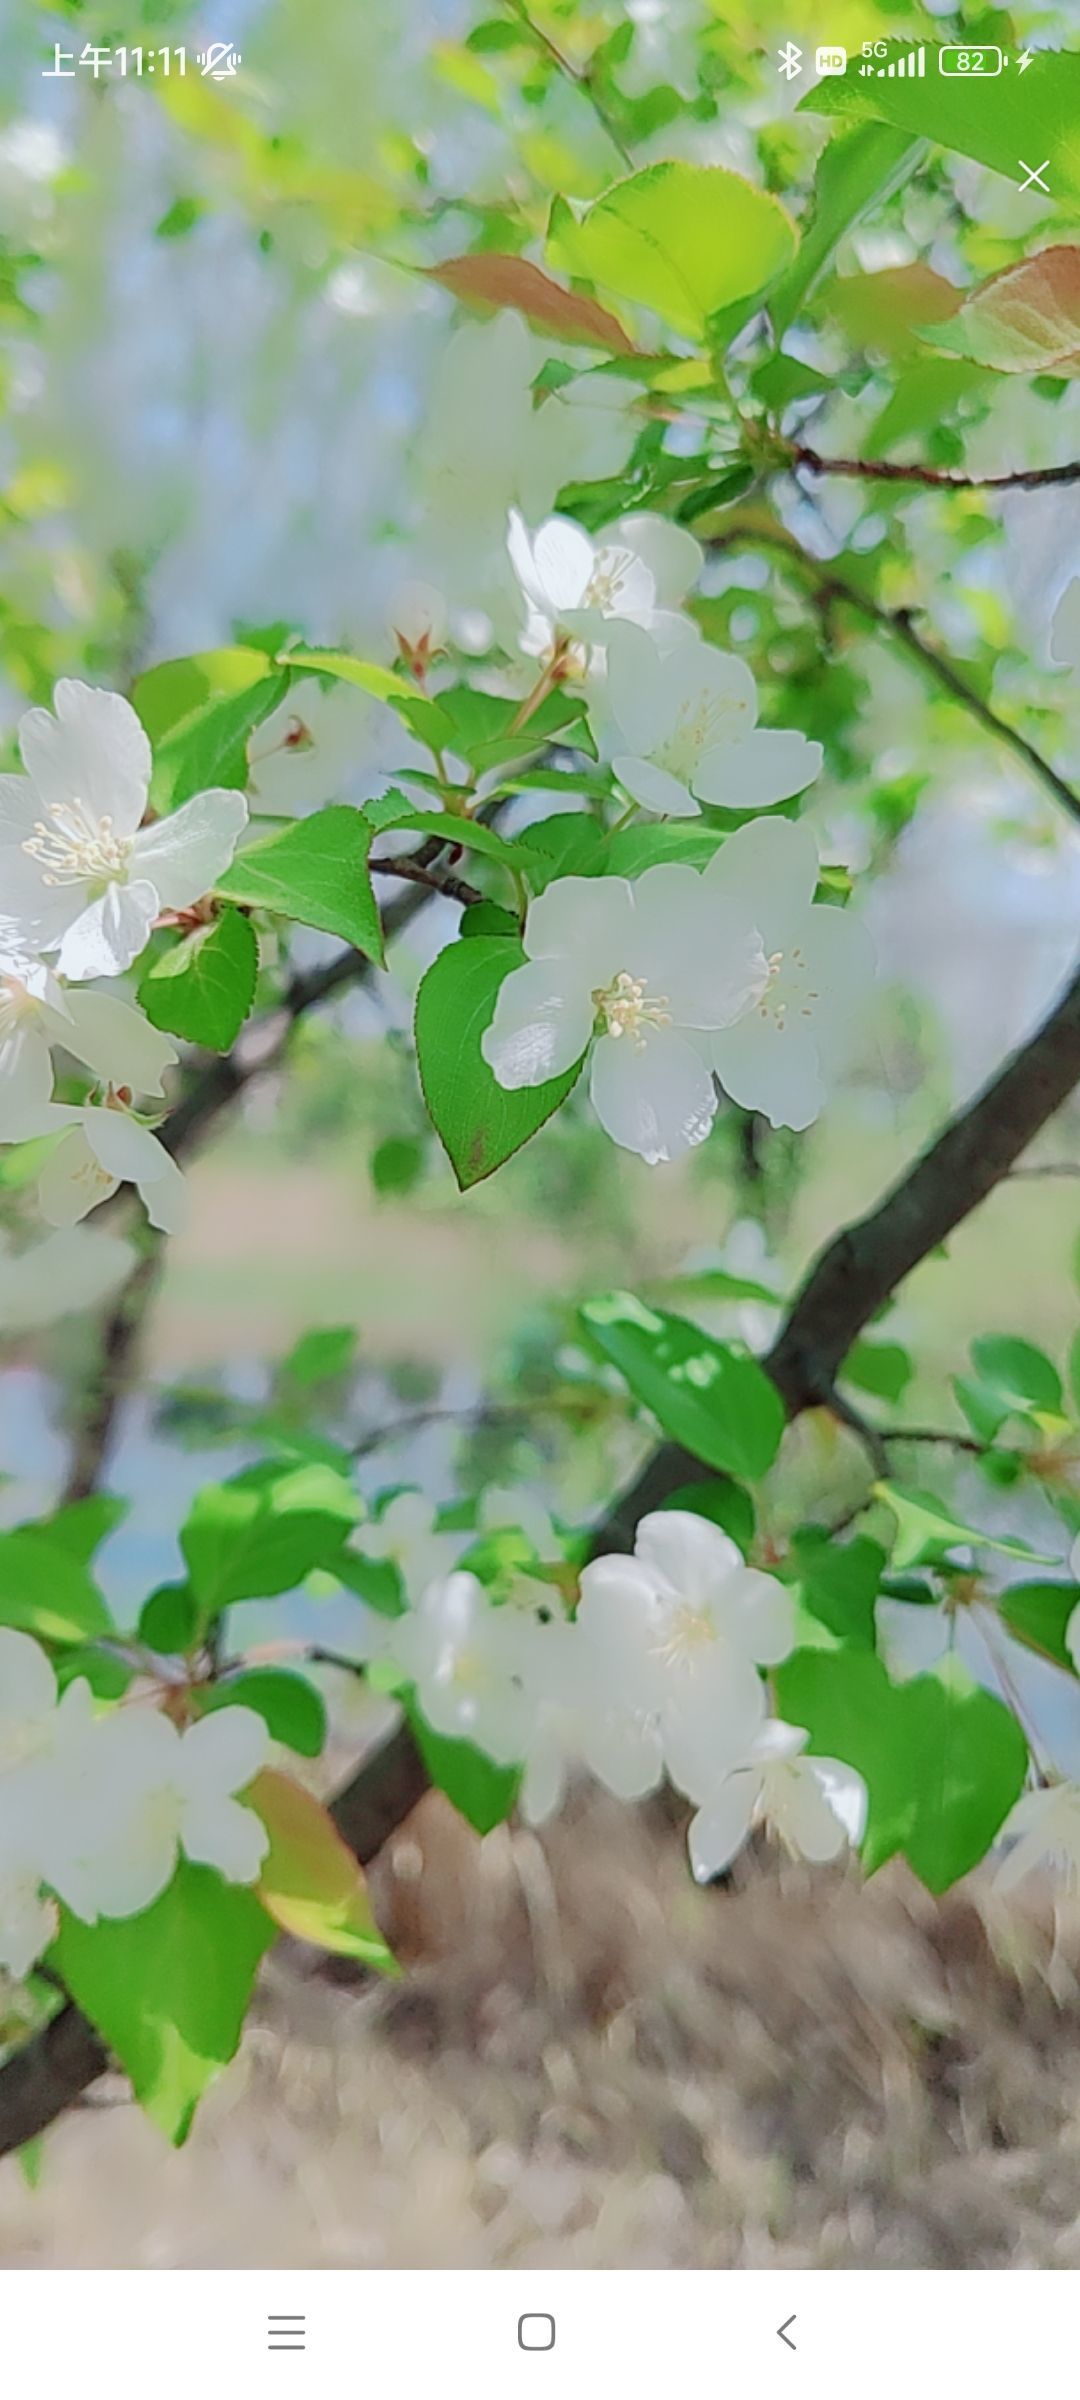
625,1009
75,847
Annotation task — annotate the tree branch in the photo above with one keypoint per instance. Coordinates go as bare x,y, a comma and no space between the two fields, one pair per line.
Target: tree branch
938,479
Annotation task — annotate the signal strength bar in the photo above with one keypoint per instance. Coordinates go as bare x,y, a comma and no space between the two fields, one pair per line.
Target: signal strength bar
913,64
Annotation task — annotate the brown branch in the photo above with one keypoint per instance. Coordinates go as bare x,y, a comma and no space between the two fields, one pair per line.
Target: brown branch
410,870
937,479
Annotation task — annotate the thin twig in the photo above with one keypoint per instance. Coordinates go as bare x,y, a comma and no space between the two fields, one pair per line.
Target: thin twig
448,887
938,479
760,529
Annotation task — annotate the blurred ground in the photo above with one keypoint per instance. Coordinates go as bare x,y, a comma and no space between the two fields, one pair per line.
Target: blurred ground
590,2064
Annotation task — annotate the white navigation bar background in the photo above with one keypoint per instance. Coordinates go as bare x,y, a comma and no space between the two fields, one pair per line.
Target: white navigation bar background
640,2336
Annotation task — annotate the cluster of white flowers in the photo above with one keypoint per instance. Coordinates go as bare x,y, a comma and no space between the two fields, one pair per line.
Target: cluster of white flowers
83,880
657,1673
96,1806
681,979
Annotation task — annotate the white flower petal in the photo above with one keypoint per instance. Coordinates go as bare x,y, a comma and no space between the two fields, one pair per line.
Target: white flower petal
132,1154
719,1830
222,1752
688,1554
588,919
671,554
73,1181
653,788
692,947
223,1834
26,1080
772,1067
543,1021
116,1040
183,855
93,750
108,935
27,1682
770,871
758,772
658,1100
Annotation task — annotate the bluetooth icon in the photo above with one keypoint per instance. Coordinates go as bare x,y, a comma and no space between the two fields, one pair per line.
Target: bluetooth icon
790,58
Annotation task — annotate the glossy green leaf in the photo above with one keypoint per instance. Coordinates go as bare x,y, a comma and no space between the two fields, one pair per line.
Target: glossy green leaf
681,239
207,750
204,988
316,871
311,1883
262,1532
46,1590
1017,1372
943,1761
719,1404
925,1529
1039,1615
480,1791
289,1705
168,1989
857,170
479,1124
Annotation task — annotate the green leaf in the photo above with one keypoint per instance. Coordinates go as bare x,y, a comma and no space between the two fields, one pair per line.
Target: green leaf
943,1761
984,1409
316,871
482,1793
45,1590
1039,1614
479,1125
208,749
321,1355
290,1707
994,119
717,1403
423,716
397,1166
168,1989
840,1582
926,1530
263,1531
856,170
882,1368
311,1883
82,1526
169,1620
168,694
1019,1374
684,240
204,987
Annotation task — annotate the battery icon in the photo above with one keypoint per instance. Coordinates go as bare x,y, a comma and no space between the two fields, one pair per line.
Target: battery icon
970,58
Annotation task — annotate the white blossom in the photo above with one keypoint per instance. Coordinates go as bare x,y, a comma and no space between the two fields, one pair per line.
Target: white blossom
814,1806
648,966
780,1055
684,1625
407,1536
1043,1829
164,1792
682,728
76,872
466,1659
99,1149
575,1719
575,583
110,1036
